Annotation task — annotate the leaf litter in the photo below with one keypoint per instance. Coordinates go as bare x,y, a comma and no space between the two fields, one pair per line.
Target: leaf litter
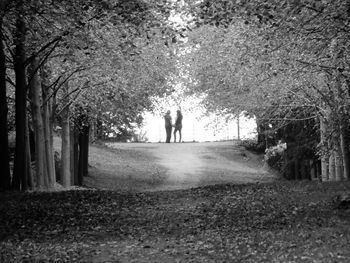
272,222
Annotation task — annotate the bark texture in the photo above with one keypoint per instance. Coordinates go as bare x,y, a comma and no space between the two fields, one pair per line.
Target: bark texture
5,176
65,149
20,162
38,125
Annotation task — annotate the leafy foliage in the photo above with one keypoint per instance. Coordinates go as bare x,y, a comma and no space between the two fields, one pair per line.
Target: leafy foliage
285,62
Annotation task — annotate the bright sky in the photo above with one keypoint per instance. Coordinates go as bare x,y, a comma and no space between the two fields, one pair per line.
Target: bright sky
199,128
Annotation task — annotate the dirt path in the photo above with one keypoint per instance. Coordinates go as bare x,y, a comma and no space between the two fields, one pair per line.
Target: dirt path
160,166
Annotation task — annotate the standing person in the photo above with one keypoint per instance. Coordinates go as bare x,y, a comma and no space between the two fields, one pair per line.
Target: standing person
168,126
178,125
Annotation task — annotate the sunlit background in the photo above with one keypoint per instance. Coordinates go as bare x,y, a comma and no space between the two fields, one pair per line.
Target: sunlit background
198,126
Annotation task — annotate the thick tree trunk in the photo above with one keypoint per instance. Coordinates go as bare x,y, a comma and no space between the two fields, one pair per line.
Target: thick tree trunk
71,154
65,149
51,176
29,180
318,171
65,152
74,155
83,153
51,135
331,167
20,162
49,120
338,163
86,149
260,131
5,176
36,101
81,160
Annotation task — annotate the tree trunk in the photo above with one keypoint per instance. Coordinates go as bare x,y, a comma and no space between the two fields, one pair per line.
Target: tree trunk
338,163
313,174
305,170
72,155
65,152
83,153
344,144
99,128
49,120
324,159
29,180
296,170
36,101
260,130
302,170
318,170
75,155
238,128
86,149
288,164
81,160
20,162
51,128
65,149
331,167
5,176
51,176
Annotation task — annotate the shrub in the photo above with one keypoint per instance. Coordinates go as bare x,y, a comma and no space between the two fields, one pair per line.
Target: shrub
274,156
253,145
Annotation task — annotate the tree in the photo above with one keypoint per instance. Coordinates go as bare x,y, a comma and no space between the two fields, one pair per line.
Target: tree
35,95
115,77
21,162
5,178
294,55
106,51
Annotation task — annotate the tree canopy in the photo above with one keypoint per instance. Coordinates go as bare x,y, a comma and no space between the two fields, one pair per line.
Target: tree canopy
104,62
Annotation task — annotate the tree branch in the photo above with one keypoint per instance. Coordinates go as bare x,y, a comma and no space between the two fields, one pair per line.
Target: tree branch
316,65
63,82
53,41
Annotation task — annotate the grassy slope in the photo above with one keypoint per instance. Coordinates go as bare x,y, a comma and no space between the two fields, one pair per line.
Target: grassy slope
122,170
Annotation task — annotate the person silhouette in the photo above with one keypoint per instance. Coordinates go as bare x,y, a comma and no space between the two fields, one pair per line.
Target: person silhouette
178,125
168,126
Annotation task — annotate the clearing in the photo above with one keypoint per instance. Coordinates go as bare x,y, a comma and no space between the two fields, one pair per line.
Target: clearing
161,166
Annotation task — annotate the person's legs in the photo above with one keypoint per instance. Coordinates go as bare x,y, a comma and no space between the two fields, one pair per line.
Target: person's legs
175,130
168,134
180,140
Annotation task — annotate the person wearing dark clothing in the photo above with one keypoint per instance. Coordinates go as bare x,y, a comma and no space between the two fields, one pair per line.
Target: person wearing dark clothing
168,126
178,125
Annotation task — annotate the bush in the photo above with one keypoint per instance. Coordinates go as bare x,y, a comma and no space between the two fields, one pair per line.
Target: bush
274,156
253,145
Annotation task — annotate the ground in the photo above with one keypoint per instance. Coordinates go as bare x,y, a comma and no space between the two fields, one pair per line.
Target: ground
162,166
262,220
